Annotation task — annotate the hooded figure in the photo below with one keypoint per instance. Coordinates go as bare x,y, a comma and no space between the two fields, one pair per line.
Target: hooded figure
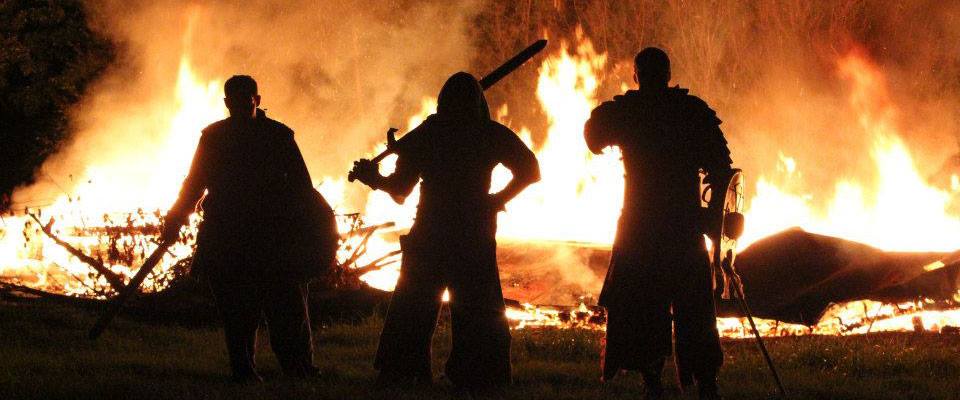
452,244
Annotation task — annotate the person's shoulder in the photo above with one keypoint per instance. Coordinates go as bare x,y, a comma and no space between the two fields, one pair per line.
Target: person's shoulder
428,127
619,101
417,139
215,132
501,135
683,96
693,105
277,126
499,129
215,128
627,97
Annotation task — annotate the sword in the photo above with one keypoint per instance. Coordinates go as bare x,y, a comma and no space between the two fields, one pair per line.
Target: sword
485,83
512,64
128,291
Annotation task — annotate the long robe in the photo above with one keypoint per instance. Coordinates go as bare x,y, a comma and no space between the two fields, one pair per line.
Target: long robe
257,193
659,262
452,244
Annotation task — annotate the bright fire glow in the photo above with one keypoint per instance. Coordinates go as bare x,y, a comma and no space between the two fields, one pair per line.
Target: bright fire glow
901,212
112,191
585,189
578,199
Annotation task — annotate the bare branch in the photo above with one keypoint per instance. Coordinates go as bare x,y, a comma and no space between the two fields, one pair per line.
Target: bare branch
115,281
375,265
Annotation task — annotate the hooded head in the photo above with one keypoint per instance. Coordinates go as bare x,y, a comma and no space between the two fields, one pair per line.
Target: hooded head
461,98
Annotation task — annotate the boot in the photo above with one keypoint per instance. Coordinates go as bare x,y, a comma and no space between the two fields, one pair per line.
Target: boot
653,380
707,387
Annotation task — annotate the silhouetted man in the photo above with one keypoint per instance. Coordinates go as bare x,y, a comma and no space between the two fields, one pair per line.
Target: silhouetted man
256,185
660,261
452,243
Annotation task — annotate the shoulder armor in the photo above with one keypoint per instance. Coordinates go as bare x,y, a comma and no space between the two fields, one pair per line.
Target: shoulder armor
695,106
628,95
680,91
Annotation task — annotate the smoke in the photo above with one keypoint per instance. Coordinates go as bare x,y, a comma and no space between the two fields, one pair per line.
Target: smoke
772,71
338,73
775,73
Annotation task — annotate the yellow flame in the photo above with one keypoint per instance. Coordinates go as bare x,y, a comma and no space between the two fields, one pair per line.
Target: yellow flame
580,194
901,211
149,180
577,200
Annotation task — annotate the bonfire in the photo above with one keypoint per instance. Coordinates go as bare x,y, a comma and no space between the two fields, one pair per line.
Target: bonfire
555,237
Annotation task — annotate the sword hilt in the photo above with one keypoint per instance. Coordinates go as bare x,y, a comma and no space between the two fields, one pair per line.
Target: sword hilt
391,147
485,83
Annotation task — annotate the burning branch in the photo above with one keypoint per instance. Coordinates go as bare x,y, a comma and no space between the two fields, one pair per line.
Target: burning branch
368,230
366,233
376,264
115,281
17,291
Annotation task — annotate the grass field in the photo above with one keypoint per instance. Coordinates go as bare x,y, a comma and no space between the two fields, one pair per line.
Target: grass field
45,354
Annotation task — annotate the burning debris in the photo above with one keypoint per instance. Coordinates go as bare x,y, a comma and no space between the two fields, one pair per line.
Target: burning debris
795,276
96,260
527,315
905,287
86,257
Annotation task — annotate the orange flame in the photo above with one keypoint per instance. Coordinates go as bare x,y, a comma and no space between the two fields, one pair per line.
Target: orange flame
577,200
901,211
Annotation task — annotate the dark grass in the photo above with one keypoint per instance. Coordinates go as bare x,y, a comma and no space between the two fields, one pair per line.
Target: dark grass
45,354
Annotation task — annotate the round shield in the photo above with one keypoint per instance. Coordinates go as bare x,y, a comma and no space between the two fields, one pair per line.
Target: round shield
730,228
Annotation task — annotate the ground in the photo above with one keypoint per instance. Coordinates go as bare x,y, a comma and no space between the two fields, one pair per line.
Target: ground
45,354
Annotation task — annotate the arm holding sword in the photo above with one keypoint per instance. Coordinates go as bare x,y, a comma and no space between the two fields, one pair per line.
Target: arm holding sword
367,167
508,150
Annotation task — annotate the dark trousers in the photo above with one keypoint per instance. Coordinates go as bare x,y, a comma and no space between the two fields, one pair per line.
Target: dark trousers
243,304
669,301
480,355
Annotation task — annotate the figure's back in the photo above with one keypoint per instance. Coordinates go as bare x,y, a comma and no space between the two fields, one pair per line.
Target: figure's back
454,152
456,163
666,138
253,172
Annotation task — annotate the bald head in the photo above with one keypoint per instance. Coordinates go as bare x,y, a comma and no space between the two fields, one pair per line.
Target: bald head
652,68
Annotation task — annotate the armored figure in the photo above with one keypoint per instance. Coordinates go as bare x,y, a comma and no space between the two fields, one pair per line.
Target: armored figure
452,243
660,271
257,193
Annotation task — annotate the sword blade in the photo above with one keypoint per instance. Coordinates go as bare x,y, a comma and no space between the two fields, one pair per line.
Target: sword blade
512,64
128,291
486,82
